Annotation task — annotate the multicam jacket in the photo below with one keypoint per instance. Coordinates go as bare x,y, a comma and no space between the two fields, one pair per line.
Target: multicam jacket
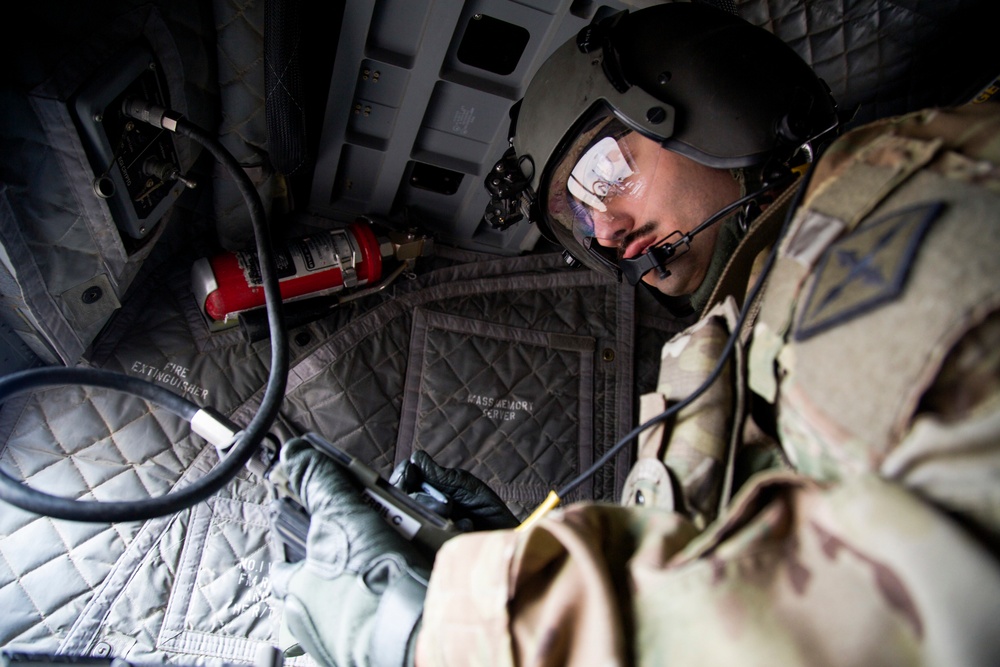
866,529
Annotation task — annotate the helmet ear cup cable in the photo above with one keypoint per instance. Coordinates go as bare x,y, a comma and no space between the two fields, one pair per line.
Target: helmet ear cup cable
663,253
705,84
556,496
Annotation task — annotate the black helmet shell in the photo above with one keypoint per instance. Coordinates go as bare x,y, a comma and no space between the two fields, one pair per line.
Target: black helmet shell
739,94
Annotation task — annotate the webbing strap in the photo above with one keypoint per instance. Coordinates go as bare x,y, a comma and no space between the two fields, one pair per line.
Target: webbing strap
396,619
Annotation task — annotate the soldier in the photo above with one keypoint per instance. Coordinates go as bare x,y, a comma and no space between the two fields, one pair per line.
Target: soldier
827,493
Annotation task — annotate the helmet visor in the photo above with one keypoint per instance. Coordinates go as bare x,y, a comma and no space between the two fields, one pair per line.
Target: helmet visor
598,187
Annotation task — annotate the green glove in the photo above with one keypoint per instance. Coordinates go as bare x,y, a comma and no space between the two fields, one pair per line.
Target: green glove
357,597
473,506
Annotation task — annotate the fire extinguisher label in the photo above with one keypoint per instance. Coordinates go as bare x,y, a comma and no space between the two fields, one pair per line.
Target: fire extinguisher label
300,257
248,262
316,253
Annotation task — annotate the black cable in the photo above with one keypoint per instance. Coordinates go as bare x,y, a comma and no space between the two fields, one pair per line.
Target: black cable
247,441
661,254
22,382
727,350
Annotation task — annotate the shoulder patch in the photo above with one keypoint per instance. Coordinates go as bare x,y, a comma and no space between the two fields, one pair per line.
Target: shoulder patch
865,269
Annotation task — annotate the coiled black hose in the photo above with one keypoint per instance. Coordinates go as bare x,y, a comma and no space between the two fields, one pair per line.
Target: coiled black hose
21,495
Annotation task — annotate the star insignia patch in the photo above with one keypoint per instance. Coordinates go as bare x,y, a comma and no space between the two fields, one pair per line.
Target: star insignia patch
865,269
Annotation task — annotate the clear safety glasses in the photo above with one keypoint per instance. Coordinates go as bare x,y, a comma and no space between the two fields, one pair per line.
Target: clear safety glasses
599,184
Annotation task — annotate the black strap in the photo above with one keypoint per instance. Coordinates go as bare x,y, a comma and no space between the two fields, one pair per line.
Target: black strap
284,94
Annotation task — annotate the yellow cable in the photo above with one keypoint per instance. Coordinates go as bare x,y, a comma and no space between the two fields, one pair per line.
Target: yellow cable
550,501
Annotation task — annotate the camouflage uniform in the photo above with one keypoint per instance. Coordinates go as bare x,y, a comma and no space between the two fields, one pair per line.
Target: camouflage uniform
870,534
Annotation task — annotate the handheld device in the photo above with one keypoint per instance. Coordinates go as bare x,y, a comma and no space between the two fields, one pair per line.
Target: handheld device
417,522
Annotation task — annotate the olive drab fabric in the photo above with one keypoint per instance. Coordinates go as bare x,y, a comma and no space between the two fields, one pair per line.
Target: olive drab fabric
875,539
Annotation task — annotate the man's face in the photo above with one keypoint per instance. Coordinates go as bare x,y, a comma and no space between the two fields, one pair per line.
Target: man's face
629,194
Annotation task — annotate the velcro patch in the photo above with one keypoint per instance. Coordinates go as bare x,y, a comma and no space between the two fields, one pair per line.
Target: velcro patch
865,269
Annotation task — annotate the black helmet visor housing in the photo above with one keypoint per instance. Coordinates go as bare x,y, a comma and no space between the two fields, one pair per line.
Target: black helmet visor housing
700,82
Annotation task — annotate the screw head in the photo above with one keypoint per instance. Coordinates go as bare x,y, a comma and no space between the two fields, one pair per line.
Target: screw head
92,295
656,115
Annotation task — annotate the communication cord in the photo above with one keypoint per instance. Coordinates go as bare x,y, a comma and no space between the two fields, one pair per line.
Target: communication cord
555,497
246,441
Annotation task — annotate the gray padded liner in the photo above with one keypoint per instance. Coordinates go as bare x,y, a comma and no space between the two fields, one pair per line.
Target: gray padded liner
884,57
498,398
351,389
192,588
60,240
166,589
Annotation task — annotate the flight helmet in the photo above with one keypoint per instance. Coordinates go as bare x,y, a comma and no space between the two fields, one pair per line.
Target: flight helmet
699,81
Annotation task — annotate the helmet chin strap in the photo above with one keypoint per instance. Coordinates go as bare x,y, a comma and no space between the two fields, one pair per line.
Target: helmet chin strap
669,249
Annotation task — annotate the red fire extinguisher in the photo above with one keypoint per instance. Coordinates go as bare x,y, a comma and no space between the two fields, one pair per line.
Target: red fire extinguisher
230,283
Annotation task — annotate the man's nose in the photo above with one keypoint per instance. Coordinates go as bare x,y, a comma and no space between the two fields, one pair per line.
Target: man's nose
611,226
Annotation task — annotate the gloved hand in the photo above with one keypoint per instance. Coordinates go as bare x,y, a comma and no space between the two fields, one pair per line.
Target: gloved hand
357,597
473,506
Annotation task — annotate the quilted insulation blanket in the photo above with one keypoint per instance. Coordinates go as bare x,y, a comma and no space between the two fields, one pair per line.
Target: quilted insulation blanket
515,369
